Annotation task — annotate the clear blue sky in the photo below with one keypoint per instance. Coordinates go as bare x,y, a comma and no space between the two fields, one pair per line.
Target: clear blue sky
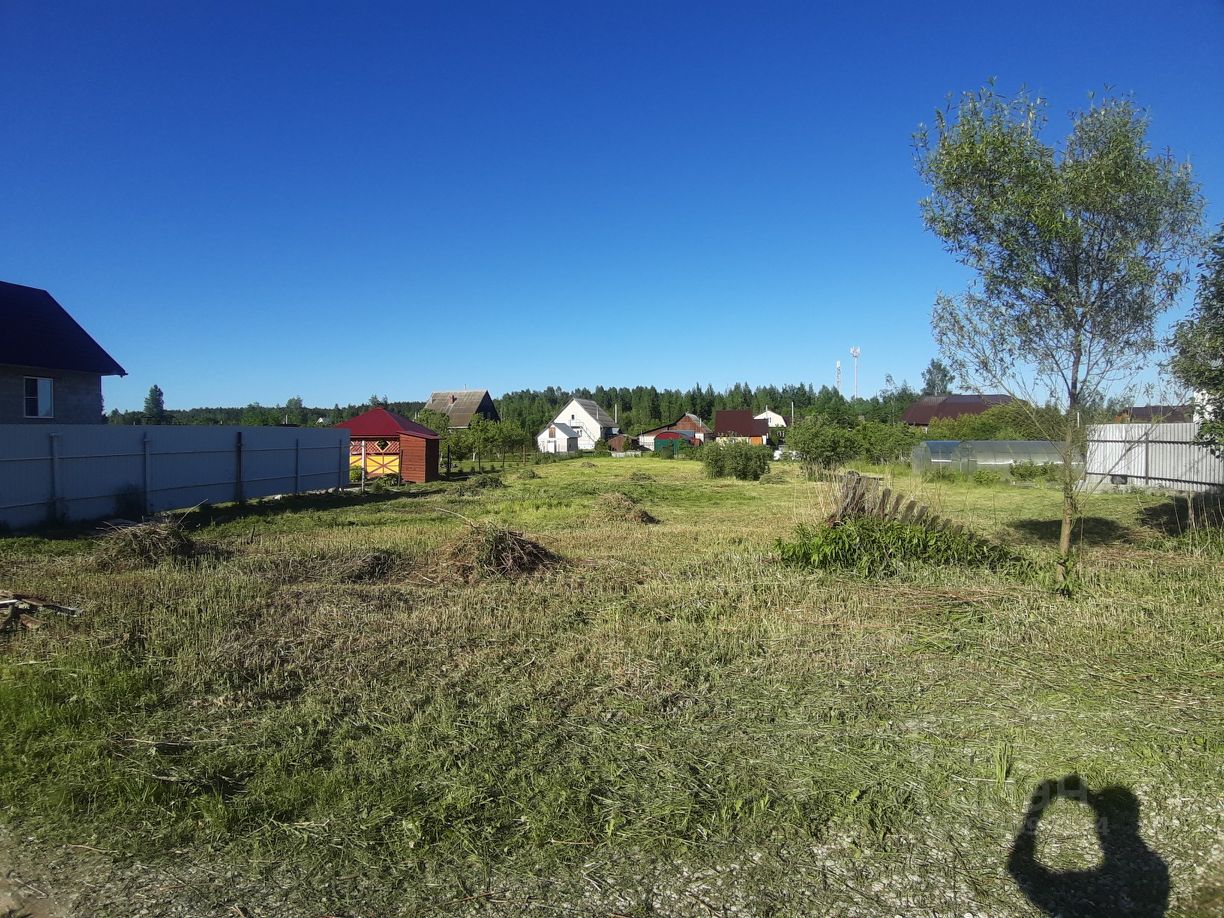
250,201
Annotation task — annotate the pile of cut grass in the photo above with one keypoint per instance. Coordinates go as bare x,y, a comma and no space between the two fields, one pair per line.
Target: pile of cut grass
619,507
145,545
875,548
487,550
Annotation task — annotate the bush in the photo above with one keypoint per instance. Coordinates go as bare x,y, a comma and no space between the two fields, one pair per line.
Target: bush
735,460
880,443
986,477
874,548
940,473
822,446
1031,471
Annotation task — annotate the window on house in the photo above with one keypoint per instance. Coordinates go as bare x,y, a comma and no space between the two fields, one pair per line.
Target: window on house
38,397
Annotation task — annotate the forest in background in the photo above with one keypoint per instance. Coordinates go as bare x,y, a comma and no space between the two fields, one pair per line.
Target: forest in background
636,408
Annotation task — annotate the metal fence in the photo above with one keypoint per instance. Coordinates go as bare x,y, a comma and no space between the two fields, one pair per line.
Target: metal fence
1151,456
69,472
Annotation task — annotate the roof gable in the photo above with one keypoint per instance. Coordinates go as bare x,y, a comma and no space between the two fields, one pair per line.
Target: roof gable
380,423
596,415
462,404
38,332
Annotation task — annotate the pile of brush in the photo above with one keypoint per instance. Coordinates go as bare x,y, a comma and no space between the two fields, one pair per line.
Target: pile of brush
145,545
486,550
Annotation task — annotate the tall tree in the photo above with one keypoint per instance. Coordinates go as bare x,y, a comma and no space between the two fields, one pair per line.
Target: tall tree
1077,250
937,378
155,406
1198,342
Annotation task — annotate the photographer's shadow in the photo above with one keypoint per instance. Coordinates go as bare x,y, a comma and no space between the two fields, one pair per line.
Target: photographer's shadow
1132,880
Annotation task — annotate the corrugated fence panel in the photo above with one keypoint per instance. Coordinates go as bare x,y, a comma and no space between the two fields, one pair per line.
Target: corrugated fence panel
1154,455
84,472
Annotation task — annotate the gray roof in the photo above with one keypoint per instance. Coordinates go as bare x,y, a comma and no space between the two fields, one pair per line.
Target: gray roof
460,405
601,417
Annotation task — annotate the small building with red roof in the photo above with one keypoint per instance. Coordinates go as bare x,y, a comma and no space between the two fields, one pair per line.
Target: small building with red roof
390,444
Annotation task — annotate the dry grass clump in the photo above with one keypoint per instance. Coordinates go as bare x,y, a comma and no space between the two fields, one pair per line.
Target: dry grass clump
619,507
480,483
486,550
145,545
641,476
528,474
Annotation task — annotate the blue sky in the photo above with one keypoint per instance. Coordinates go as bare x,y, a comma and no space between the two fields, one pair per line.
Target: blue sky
250,201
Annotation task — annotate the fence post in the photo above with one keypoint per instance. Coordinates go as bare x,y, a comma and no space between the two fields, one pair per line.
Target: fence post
147,475
363,465
297,465
57,489
238,489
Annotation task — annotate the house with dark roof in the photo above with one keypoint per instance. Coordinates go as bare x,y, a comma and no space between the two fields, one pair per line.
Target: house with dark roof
587,422
50,368
1156,414
462,405
950,407
740,425
387,443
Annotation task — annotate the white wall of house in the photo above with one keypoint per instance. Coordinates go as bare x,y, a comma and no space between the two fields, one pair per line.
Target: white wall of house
775,420
557,438
587,428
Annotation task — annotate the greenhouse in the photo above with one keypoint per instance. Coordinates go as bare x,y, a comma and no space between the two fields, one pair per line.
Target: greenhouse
932,454
966,457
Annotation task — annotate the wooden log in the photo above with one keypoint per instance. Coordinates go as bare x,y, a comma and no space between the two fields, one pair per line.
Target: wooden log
910,506
881,507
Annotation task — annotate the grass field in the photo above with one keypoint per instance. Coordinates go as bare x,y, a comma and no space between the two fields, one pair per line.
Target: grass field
317,716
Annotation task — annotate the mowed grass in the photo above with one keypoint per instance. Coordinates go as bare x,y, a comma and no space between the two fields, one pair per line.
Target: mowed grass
672,722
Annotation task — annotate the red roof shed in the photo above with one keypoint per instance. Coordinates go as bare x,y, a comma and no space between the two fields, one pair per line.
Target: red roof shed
392,445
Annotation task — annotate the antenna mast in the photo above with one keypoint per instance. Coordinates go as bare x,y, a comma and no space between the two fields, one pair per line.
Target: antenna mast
854,352
837,376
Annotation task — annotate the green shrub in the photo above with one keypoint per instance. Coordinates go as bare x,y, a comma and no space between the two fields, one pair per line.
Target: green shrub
822,445
735,460
1031,471
986,477
939,473
875,548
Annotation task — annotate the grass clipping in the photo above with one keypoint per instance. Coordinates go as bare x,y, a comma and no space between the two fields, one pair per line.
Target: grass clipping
486,550
618,507
145,545
874,548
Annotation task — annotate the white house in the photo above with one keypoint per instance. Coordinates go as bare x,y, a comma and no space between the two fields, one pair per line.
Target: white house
584,420
557,438
775,420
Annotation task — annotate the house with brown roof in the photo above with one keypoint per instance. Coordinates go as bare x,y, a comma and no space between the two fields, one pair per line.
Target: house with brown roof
50,368
462,405
950,407
740,426
687,423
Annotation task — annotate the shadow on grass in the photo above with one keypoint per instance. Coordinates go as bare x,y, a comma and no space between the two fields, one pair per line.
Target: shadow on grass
1089,530
1132,879
213,514
1177,515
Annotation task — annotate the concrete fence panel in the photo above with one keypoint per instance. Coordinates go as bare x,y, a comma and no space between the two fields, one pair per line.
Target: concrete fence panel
67,472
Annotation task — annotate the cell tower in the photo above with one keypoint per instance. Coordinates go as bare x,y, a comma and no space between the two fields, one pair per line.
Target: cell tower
837,376
854,352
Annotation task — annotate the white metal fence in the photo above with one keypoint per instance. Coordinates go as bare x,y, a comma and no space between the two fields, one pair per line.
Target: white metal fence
1151,455
69,472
